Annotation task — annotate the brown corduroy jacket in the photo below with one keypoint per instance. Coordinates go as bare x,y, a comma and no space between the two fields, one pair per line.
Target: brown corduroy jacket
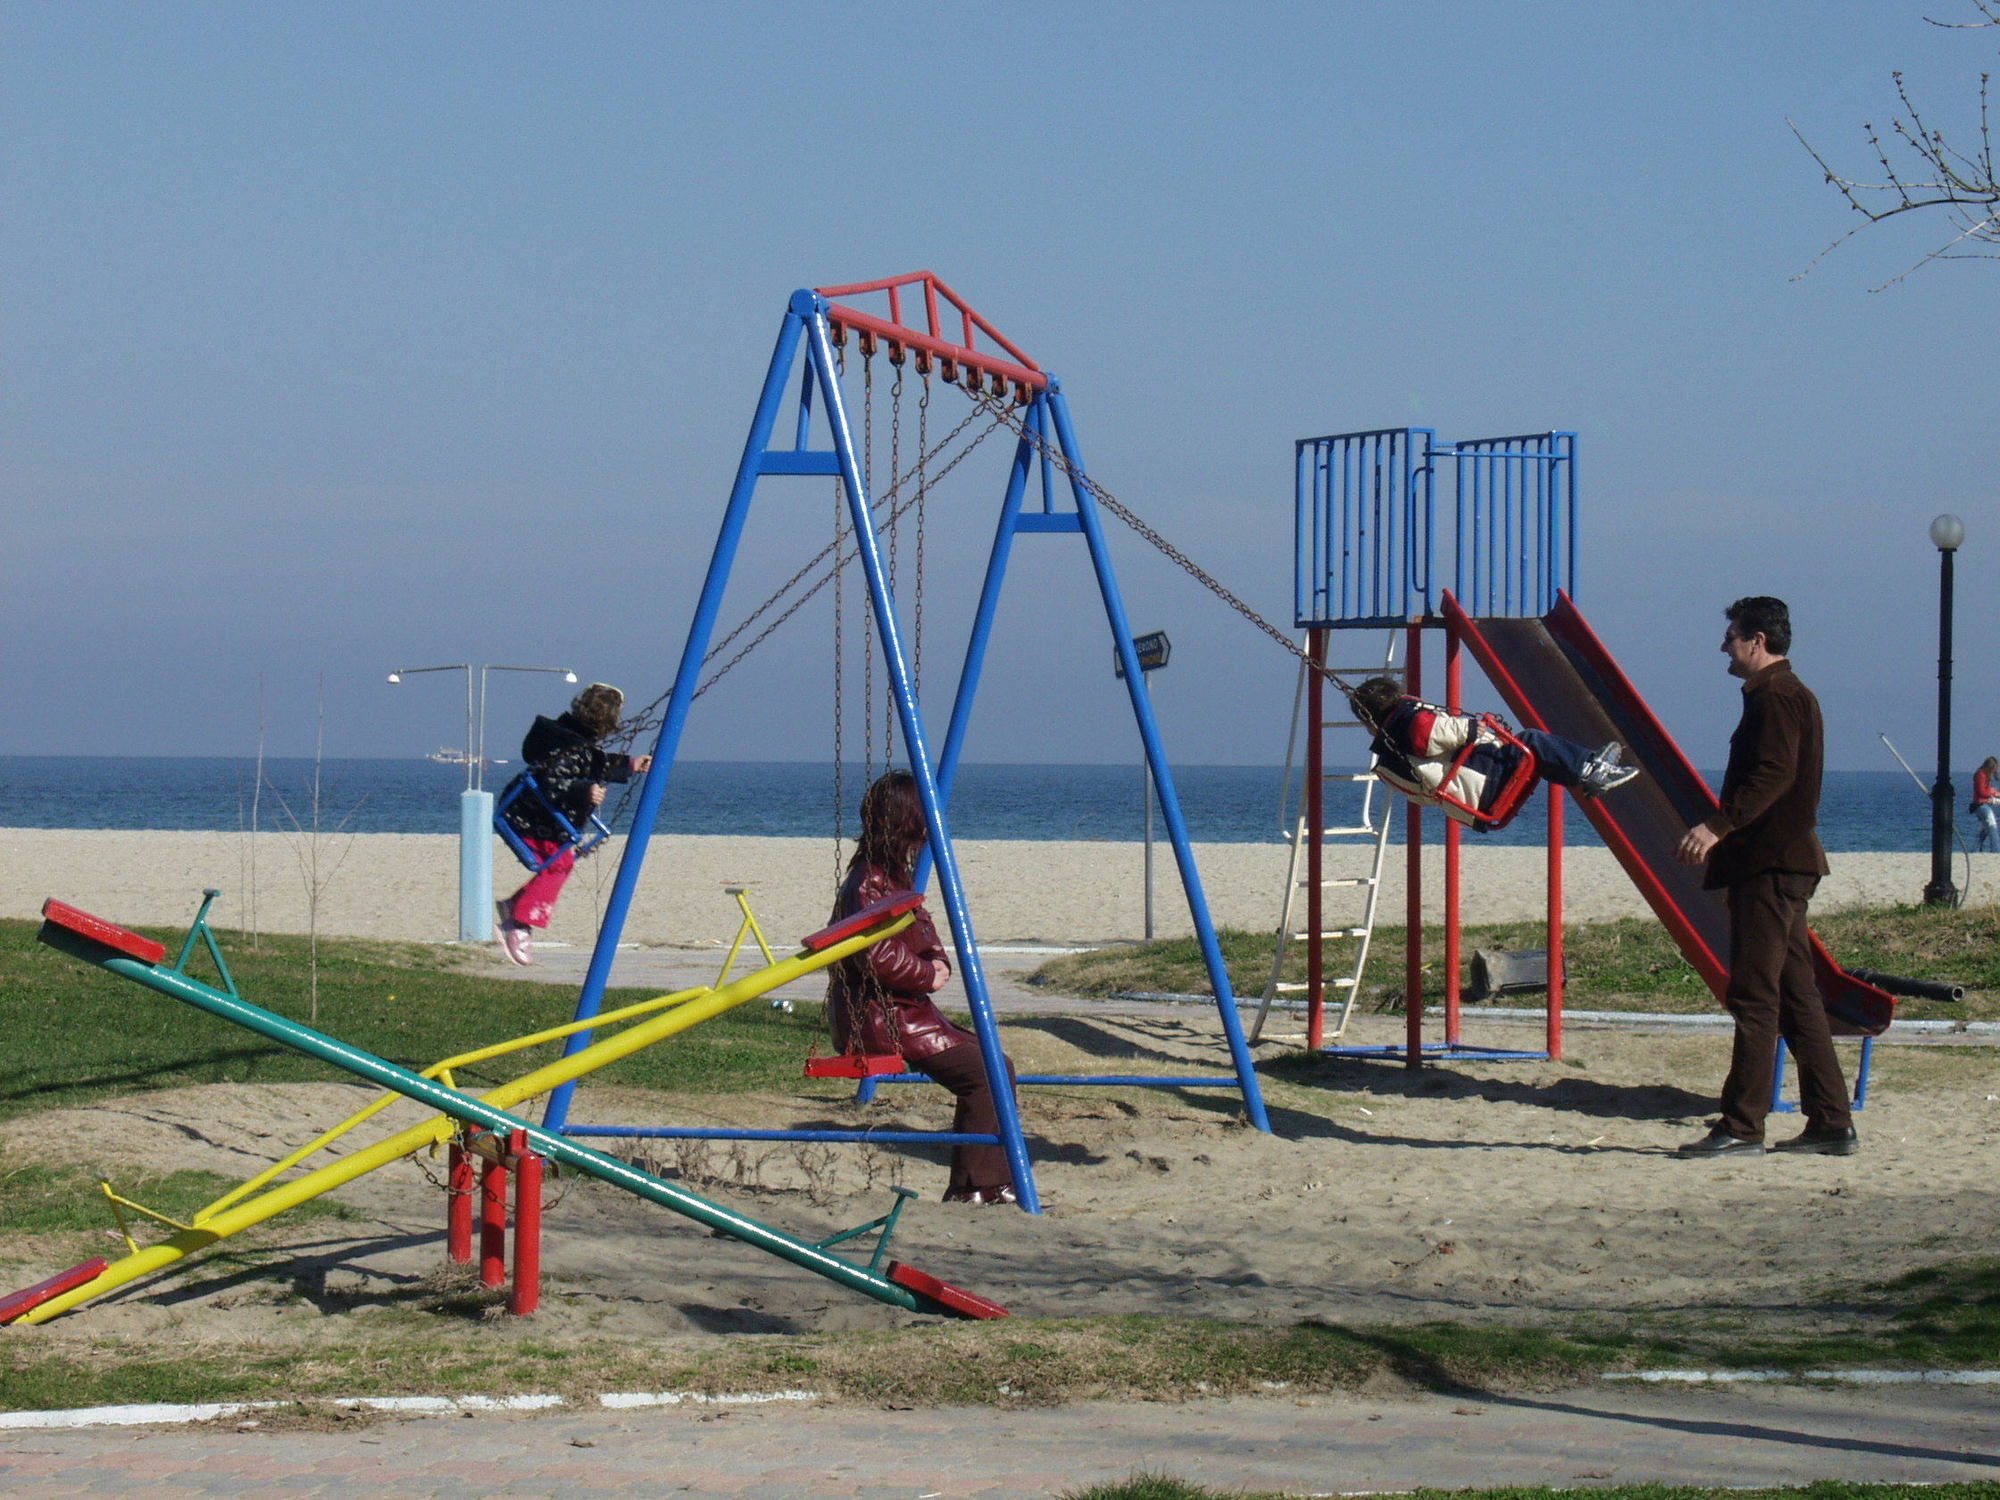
1770,793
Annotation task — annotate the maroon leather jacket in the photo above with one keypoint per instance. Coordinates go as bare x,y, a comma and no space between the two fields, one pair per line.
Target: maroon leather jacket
879,1001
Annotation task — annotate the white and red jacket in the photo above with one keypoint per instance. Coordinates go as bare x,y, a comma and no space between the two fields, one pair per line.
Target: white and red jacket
1466,764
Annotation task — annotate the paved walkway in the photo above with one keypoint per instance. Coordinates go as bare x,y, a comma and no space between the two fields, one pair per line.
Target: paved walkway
1748,1436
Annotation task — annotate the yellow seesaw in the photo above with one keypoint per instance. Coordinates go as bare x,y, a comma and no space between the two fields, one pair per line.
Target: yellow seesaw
137,958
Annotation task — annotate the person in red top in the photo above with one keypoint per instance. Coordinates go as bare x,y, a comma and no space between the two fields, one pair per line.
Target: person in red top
1986,802
879,1001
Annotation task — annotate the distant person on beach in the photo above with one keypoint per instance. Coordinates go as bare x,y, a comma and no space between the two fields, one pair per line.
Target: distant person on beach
1761,849
1986,802
879,1001
1463,764
570,770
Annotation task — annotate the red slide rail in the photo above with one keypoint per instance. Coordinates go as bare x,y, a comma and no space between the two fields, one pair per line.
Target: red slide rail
963,359
1853,1007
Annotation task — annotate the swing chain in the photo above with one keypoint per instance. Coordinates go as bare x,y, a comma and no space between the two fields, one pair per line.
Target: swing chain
867,615
895,547
923,431
1123,512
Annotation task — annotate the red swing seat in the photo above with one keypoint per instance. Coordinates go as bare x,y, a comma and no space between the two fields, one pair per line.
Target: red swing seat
1513,793
858,1064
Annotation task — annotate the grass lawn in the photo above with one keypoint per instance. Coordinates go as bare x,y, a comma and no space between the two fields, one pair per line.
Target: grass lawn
1629,964
76,1033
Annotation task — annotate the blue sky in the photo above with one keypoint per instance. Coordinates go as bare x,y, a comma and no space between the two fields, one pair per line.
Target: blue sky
346,337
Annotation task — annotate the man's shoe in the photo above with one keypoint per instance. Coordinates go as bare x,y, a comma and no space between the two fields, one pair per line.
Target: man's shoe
1603,773
1719,1142
1817,1142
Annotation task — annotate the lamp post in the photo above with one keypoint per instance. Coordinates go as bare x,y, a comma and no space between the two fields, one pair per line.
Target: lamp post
475,803
1947,532
1153,650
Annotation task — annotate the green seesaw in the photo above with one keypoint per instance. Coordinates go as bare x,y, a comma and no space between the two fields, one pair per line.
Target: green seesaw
140,959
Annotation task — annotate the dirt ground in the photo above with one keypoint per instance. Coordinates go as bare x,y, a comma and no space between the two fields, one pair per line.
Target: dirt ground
1525,1192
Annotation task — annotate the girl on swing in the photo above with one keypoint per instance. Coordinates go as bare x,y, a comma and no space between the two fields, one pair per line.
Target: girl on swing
879,1001
1458,761
571,771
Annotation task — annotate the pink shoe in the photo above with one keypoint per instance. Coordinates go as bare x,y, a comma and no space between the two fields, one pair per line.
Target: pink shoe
513,936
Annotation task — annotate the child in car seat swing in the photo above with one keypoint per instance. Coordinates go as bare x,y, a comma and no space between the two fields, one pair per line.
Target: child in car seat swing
1472,765
571,770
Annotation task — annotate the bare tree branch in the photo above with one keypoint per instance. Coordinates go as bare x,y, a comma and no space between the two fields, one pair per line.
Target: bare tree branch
1920,168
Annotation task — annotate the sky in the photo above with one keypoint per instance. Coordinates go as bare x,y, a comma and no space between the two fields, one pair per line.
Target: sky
348,337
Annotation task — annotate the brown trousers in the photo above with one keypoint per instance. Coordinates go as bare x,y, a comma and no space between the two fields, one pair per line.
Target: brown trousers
962,1070
1772,993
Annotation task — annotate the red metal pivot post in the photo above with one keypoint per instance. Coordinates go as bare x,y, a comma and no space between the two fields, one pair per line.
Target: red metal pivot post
526,1294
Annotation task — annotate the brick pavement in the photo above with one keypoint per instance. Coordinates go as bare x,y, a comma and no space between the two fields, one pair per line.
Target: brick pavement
1747,1436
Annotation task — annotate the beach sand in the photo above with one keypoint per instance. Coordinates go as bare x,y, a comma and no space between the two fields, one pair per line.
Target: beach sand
405,886
1537,1192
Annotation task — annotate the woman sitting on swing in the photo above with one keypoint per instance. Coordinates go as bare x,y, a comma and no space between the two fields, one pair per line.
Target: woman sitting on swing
879,1001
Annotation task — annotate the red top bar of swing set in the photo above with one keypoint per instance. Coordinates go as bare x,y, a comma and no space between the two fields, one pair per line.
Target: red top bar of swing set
1021,370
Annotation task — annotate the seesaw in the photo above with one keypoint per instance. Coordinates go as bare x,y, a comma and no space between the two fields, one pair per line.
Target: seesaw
139,959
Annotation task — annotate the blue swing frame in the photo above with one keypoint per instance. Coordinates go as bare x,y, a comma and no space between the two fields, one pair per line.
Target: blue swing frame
575,840
808,328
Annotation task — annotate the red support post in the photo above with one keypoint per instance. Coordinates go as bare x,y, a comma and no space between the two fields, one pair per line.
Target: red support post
526,1295
1413,879
1454,688
1555,940
1315,819
458,1206
493,1224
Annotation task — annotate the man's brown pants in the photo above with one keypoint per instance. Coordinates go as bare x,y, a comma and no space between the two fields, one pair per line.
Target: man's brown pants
1772,993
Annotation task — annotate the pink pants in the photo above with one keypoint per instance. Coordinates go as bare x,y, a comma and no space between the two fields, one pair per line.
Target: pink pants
534,903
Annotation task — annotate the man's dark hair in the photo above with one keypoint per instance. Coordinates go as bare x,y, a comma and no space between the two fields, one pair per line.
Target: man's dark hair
1375,699
1760,614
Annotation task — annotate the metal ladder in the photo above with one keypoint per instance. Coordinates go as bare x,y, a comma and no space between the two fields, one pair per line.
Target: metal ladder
1372,826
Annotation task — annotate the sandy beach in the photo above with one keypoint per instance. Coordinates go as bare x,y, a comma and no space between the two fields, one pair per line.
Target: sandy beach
405,886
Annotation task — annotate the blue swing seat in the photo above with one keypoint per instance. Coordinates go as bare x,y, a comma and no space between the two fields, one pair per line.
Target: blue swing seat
577,841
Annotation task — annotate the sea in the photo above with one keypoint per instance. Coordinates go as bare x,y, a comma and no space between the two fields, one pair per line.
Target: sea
1859,810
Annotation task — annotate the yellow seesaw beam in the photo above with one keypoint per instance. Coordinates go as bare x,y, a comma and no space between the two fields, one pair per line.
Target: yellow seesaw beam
685,1013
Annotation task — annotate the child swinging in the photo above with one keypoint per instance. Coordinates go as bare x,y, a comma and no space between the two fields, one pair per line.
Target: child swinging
570,770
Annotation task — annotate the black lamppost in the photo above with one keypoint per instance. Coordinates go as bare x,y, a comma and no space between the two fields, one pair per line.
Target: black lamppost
1947,532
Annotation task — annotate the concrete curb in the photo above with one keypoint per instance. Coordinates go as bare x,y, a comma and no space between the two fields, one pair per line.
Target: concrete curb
211,1411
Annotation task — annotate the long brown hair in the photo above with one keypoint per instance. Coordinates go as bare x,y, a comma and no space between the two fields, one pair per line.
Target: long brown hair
1990,764
892,826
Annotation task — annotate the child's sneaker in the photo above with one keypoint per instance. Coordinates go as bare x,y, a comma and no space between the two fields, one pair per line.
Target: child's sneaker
1603,773
512,936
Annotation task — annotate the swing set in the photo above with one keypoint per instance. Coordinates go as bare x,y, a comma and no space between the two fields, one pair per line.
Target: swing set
941,338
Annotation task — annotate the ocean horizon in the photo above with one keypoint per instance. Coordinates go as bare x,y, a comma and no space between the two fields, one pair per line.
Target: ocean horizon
1860,811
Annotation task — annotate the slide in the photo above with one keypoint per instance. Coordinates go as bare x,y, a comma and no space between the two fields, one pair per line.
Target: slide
1556,675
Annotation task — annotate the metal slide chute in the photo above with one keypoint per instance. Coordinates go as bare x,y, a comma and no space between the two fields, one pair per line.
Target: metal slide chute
1555,674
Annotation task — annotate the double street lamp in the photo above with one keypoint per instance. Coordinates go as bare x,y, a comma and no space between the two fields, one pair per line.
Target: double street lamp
1947,533
475,803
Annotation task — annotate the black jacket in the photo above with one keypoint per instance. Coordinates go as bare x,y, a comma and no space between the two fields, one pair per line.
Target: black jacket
1770,793
566,763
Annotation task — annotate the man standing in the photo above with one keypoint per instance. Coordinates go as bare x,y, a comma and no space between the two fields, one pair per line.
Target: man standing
1760,848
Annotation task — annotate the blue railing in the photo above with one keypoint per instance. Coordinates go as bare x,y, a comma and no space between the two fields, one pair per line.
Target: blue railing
1516,522
1366,543
1363,542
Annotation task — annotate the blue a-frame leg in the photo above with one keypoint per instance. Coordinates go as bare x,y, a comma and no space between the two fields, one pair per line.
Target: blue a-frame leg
806,322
